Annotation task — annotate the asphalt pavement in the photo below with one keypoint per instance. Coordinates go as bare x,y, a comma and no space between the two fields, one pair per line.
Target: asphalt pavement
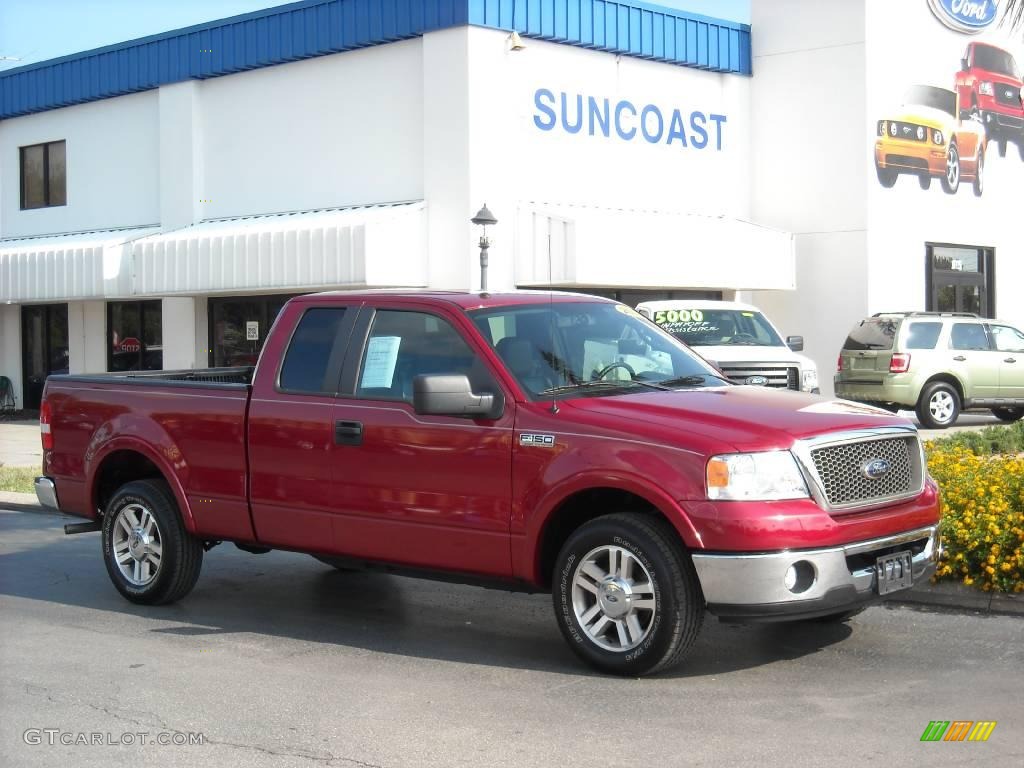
278,660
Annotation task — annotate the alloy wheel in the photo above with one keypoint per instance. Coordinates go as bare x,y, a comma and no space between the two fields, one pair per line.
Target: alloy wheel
137,544
613,598
941,406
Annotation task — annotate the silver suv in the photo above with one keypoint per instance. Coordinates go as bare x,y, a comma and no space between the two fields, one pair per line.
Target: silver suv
935,363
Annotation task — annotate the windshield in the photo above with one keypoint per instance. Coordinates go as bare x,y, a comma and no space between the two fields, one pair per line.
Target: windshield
929,96
718,327
995,60
584,349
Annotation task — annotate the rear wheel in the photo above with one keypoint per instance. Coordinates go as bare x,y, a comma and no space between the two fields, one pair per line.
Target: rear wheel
626,595
1008,414
939,405
979,174
925,181
149,555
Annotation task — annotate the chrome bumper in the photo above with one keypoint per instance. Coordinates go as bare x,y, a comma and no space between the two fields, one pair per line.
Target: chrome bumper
46,492
843,576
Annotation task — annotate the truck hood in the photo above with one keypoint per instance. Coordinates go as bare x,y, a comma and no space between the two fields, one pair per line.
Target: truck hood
736,353
721,419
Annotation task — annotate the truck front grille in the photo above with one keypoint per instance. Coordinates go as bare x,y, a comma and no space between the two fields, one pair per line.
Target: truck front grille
842,472
779,377
1007,94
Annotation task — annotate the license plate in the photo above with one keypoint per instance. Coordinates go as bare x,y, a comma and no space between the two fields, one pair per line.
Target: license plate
895,572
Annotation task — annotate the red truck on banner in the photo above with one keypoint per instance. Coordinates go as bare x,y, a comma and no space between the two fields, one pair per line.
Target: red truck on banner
989,86
530,441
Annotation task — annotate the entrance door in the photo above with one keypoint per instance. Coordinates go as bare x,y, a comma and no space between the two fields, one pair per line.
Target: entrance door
960,279
44,348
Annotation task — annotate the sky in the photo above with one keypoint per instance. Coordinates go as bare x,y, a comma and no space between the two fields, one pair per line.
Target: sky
36,30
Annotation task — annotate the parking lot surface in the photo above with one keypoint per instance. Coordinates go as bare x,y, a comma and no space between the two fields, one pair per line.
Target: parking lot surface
278,660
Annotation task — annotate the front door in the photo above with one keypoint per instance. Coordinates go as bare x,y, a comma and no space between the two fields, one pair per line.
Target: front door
1009,343
422,491
44,348
973,360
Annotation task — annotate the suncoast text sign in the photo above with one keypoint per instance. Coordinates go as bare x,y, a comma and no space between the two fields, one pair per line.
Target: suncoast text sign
967,16
576,113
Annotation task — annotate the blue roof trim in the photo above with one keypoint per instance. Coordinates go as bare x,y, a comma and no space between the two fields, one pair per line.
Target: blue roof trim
317,27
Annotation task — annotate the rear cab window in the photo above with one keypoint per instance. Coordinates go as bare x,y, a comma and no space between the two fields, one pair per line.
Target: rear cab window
873,333
312,362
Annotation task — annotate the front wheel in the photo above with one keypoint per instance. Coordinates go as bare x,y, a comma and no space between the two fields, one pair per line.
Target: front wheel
925,181
886,176
938,406
1008,414
626,595
149,555
1002,147
951,179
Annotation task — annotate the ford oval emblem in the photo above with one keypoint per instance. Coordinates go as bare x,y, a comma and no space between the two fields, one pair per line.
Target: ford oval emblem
875,469
967,16
756,381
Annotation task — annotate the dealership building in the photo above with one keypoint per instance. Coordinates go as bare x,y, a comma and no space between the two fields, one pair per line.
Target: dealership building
160,199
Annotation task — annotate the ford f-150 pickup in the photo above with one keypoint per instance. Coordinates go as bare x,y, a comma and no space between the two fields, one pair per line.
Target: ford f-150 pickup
531,441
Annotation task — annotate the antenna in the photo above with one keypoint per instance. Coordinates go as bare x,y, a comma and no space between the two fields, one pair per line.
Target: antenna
551,313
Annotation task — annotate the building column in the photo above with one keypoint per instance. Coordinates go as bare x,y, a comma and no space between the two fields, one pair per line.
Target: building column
181,166
87,336
179,333
10,348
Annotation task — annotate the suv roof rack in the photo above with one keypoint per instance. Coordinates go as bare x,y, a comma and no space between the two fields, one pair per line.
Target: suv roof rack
930,314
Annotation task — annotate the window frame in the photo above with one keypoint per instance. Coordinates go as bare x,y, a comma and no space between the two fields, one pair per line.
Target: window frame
336,361
46,175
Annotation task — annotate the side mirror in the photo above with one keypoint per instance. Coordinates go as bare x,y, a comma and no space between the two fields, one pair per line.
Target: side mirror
452,395
963,65
795,343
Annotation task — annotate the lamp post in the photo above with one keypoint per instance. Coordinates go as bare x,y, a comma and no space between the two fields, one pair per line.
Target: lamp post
484,218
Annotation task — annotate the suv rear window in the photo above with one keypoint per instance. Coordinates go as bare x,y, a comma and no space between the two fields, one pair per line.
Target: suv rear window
923,335
874,333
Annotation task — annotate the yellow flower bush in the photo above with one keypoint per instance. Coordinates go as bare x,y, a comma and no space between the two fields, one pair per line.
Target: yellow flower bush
982,517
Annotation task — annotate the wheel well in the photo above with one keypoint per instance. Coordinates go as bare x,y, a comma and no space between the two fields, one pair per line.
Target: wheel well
948,379
118,468
581,508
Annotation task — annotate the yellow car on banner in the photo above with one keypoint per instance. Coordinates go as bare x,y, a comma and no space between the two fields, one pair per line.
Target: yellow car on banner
929,139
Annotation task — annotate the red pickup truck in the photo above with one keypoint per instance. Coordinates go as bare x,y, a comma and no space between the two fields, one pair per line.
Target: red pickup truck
530,441
989,87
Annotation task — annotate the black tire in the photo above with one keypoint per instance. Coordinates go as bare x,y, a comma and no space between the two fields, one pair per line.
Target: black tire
1001,143
836,618
951,178
938,391
678,601
886,176
925,181
336,562
181,556
1008,414
979,174
1020,149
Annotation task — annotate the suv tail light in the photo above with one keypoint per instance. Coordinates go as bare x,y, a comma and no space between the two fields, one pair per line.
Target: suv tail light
839,364
44,426
900,363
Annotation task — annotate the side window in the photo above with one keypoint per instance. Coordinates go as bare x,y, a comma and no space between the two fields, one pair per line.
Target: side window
403,345
313,360
923,335
1007,339
968,336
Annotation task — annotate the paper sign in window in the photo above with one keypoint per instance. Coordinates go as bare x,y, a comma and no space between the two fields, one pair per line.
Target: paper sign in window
379,366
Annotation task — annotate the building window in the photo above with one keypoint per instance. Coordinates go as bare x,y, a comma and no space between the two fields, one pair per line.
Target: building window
135,333
238,327
44,175
960,278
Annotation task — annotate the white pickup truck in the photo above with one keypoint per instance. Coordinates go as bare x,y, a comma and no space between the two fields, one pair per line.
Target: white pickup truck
738,339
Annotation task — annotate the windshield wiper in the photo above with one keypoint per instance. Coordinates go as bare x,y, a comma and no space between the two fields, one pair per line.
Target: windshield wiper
603,383
691,381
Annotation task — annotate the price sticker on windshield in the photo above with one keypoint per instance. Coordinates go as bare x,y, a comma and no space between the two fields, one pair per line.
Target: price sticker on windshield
667,316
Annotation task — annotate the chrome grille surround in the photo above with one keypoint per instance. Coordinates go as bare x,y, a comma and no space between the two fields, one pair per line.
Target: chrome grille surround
832,467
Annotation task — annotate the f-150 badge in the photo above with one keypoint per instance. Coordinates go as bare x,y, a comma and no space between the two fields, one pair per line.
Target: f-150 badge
541,441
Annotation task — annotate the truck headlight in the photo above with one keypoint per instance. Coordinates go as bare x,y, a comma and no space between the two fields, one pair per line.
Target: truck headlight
809,379
986,89
767,476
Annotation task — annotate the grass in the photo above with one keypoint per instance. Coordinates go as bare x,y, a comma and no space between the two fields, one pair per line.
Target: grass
18,479
985,442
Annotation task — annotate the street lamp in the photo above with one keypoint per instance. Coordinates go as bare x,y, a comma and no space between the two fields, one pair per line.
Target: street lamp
483,218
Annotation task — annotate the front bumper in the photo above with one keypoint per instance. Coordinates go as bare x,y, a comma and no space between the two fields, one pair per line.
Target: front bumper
751,586
1000,125
46,492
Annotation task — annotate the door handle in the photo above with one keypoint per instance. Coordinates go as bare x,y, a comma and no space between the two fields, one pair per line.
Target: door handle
1009,359
348,433
959,358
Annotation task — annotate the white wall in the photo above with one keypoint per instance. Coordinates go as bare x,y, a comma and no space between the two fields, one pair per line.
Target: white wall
10,347
344,129
907,45
112,166
808,172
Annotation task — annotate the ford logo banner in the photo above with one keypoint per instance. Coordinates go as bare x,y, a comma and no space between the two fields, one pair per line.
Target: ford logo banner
967,16
756,381
875,469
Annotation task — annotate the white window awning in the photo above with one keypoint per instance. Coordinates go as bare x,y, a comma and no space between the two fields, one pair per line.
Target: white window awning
376,245
85,265
365,246
583,246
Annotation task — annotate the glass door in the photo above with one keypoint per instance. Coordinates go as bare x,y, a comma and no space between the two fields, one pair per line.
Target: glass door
44,348
960,279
